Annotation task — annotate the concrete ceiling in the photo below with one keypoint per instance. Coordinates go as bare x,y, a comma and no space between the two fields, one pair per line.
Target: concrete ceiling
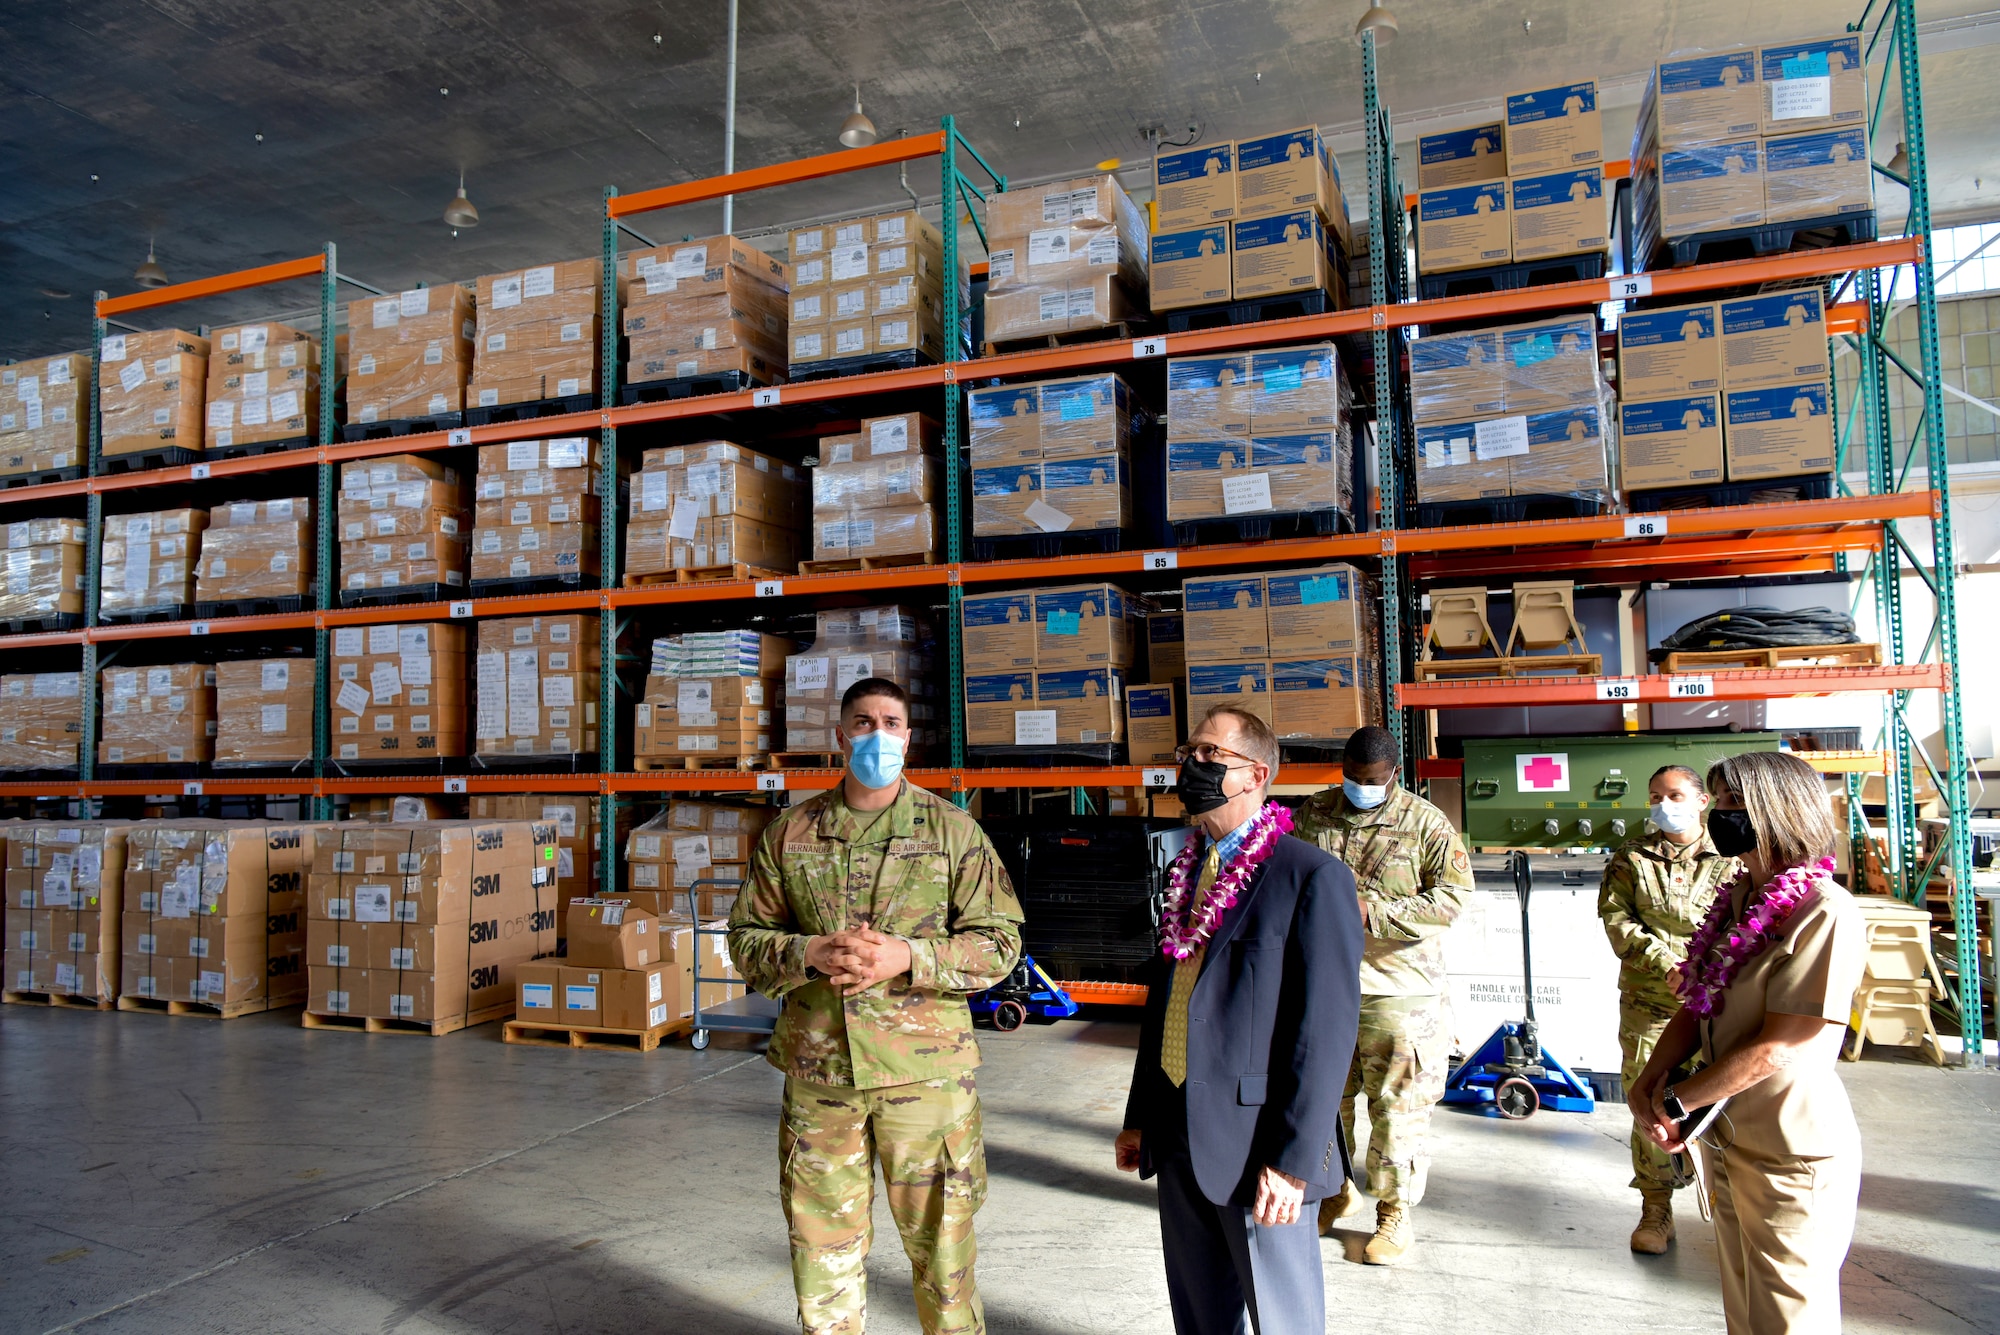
121,121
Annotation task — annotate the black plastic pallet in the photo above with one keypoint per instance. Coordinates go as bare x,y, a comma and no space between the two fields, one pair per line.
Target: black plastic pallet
45,624
868,364
163,773
258,769
142,461
1740,243
1046,757
252,607
177,612
408,593
1041,546
574,762
1287,306
1762,491
1262,527
688,387
402,426
528,412
258,447
68,775
42,477
521,588
1511,277
1506,510
401,766
1313,751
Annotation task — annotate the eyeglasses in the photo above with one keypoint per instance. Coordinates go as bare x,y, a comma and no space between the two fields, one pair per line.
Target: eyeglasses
1207,753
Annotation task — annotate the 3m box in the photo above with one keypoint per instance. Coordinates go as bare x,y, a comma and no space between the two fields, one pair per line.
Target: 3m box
1193,186
1813,85
1283,252
1563,213
992,700
1707,97
1191,268
1245,685
1773,338
1825,174
1778,430
1554,129
1151,730
1089,625
1313,613
1224,619
1463,227
1323,698
1088,704
1283,173
1708,187
1166,647
1675,350
1670,442
1462,157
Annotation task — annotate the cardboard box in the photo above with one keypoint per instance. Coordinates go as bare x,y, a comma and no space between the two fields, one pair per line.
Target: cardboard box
580,1000
1705,98
1562,213
1082,494
1166,647
1086,625
1191,268
1670,442
611,934
634,1000
1323,698
1825,174
1778,430
1456,377
1706,187
1194,186
1084,417
1675,350
1813,85
1294,390
1152,731
1088,704
1462,157
1314,613
1463,227
1210,478
999,631
1209,398
1245,685
1224,618
538,988
1282,252
1554,129
1773,338
1566,453
901,530
1005,425
993,700
1284,173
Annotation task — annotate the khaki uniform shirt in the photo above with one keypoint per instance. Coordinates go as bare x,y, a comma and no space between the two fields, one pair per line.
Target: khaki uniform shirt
1811,969
1413,877
921,869
1654,895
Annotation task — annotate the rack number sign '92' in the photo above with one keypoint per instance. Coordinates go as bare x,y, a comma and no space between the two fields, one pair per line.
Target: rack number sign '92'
1161,777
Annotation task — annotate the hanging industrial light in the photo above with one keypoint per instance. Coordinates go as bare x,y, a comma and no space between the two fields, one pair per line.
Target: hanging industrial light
460,213
857,131
1379,21
1900,164
150,274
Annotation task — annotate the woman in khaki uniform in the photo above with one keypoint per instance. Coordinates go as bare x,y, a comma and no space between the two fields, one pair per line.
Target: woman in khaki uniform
1766,990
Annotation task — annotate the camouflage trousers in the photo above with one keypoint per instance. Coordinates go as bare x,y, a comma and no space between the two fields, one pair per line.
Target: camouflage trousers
927,1137
1401,1058
1642,1015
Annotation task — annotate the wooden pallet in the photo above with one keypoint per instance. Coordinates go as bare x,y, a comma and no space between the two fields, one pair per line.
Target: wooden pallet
700,575
57,999
761,760
808,760
202,1010
858,563
1801,655
1496,668
1068,338
538,1035
375,1024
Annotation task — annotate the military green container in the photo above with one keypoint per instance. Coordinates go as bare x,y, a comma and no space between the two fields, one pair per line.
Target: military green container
1579,792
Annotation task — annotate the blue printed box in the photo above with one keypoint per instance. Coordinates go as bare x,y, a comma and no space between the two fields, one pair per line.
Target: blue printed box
1089,703
1670,442
1006,424
1778,431
1284,172
1192,186
991,702
1675,350
999,630
1705,99
1087,626
1559,213
1208,397
1245,685
1190,268
1463,227
1085,416
1224,618
1322,611
1151,729
1462,157
1774,338
1554,129
1825,174
1284,252
1322,698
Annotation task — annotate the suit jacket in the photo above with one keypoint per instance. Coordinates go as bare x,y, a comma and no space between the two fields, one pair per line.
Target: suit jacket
1271,1031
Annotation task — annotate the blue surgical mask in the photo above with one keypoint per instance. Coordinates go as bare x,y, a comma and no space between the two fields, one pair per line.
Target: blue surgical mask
1362,796
876,758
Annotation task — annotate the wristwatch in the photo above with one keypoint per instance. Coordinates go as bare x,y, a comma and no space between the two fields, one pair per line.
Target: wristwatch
1670,1100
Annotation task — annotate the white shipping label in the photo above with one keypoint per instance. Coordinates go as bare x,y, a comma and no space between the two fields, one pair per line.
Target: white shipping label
1034,727
507,291
490,720
255,338
381,639
850,668
559,692
415,669
891,436
704,479
1499,437
1448,453
690,261
1102,249
416,301
568,452
850,262
1000,266
285,405
653,493
275,675
348,641
352,698
385,683
687,513
523,693
1051,520
112,349
256,384
1050,245
371,904
1247,494
133,376
1800,99
538,282
810,673
271,718
691,850
695,697
523,454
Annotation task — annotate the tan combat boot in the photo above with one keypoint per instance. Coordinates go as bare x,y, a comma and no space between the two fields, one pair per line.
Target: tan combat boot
1656,1224
1395,1236
1336,1208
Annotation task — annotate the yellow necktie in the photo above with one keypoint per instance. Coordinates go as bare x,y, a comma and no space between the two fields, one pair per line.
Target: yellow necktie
1173,1043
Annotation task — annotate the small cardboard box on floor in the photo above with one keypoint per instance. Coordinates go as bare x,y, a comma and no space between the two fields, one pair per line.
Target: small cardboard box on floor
627,1000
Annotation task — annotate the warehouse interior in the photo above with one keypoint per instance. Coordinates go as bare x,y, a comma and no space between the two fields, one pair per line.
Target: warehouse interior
466,451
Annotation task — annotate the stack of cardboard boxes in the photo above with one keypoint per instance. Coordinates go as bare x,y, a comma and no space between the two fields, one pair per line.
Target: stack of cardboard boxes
1529,187
535,512
575,820
214,913
1516,411
409,354
151,389
45,576
705,308
403,524
538,684
714,504
397,691
1156,708
65,885
1241,220
263,385
712,695
1253,433
1751,135
876,492
161,715
1725,389
1298,649
253,552
1047,667
690,843
1053,457
44,414
427,923
869,286
851,644
537,334
263,711
620,974
149,562
41,721
1062,257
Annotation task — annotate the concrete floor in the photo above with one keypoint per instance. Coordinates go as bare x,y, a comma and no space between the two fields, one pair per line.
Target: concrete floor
182,1175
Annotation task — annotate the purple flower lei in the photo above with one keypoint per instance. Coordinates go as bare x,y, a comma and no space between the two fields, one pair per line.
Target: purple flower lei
1182,932
1718,950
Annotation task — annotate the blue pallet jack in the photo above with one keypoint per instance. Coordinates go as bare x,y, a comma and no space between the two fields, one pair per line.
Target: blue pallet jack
1511,1075
1023,995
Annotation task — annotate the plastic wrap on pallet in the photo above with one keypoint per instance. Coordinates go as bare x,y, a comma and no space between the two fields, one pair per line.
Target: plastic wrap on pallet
682,485
1057,496
853,644
149,560
681,844
1481,373
1255,433
44,413
1565,451
46,579
536,333
69,944
735,716
411,322
397,692
655,546
719,653
263,384
409,353
151,394
535,551
41,720
265,560
872,483
161,715
1065,256
263,711
546,533
891,530
537,680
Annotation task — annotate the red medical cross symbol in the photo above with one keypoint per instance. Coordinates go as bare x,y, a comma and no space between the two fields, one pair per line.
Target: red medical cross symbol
1542,772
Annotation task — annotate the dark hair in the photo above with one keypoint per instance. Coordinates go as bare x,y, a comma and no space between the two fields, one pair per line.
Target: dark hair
1371,746
868,686
1786,799
1692,776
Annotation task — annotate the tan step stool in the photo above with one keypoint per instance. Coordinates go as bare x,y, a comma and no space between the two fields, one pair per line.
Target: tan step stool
1895,1015
1458,622
1545,617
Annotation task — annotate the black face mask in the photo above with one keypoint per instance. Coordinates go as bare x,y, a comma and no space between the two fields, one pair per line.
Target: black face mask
1201,785
1731,832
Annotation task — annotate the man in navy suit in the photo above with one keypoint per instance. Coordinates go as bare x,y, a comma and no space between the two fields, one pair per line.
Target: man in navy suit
1243,1052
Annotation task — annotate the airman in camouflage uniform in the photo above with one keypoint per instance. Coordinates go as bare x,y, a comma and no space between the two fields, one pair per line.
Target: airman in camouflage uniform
886,1072
1414,879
